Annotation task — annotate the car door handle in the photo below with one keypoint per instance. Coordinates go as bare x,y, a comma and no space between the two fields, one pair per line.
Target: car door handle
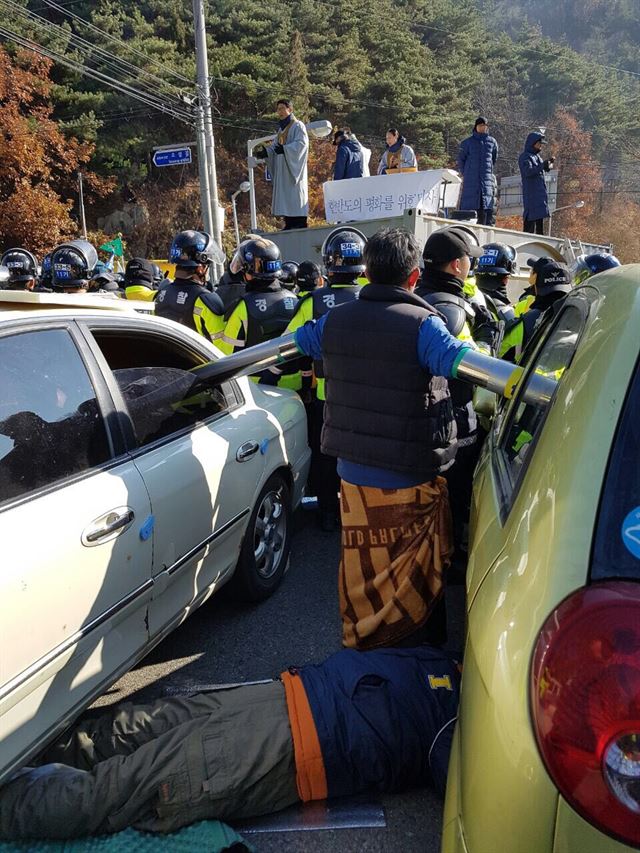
246,450
108,524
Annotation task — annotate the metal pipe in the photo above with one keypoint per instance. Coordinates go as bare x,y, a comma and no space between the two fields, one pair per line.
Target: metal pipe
251,360
503,378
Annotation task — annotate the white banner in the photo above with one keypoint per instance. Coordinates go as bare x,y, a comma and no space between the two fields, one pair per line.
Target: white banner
390,195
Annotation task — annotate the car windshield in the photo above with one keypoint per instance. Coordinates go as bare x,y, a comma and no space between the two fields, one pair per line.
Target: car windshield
616,550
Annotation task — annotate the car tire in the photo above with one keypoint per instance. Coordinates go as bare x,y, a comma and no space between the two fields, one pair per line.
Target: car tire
267,541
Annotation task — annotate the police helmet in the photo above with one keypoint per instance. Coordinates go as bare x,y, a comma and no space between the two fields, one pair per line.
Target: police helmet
235,265
308,275
22,265
70,268
498,260
190,249
289,274
585,266
104,280
343,251
261,259
158,275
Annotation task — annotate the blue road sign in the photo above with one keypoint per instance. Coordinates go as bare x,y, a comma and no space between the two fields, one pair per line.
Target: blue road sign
172,157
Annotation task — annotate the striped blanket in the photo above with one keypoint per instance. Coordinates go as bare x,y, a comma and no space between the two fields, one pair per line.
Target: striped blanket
396,546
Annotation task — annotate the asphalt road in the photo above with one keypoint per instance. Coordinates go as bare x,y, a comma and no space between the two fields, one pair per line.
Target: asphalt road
225,642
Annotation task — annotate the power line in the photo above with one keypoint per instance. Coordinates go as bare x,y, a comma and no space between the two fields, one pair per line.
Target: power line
83,45
93,73
116,40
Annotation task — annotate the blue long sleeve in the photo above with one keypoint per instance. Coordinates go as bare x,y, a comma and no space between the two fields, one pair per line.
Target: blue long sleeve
308,338
438,351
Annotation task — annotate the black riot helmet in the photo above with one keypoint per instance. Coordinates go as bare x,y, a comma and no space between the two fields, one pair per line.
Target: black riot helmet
498,260
289,275
190,249
261,259
158,275
585,266
22,266
343,252
69,268
104,281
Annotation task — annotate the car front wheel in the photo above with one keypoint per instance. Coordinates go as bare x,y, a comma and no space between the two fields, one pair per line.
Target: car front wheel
267,542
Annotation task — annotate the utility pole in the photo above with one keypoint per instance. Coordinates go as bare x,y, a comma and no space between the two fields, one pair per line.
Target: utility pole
204,100
203,171
83,221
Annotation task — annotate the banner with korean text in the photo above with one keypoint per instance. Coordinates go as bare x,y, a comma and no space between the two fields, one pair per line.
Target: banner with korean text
389,195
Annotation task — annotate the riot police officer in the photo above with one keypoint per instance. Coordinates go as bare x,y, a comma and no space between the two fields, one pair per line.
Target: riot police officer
498,262
449,256
585,266
343,258
141,281
308,277
23,269
265,309
550,281
186,300
289,276
72,265
45,282
104,282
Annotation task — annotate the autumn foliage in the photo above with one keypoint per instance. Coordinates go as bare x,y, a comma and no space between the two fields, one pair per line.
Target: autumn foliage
38,163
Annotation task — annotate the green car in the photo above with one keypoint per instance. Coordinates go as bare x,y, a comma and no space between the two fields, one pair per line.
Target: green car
546,754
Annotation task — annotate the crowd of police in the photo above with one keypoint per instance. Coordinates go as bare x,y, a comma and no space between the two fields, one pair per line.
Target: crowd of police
260,297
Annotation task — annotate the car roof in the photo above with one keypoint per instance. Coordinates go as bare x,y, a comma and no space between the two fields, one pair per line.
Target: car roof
19,301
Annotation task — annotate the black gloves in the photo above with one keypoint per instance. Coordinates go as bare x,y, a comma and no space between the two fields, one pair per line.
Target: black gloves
547,165
278,149
486,331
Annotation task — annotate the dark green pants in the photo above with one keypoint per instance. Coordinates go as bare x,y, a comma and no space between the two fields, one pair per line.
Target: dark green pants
224,754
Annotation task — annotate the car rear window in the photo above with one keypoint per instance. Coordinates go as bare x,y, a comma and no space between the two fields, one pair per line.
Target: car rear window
616,549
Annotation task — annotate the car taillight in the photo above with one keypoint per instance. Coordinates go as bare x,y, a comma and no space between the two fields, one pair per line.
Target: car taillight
585,698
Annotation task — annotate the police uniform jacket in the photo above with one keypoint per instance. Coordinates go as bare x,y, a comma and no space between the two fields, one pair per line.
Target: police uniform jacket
185,301
445,293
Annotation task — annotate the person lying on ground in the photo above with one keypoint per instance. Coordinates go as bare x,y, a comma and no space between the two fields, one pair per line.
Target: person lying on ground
377,721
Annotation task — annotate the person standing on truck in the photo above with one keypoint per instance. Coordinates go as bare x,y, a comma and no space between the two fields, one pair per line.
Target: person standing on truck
535,199
349,161
398,156
476,160
287,161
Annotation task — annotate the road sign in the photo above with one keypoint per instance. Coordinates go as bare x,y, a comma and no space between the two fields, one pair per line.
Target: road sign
172,157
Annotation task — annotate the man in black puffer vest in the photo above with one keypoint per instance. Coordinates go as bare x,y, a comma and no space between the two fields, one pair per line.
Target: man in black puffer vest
390,422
